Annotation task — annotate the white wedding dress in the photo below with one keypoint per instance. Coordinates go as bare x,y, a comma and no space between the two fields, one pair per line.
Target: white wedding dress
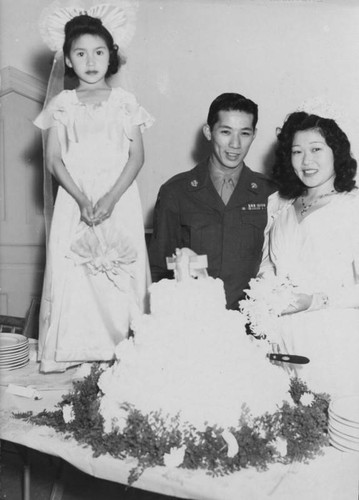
96,278
319,254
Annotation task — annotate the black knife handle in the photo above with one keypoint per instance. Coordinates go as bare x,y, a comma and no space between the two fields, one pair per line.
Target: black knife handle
288,358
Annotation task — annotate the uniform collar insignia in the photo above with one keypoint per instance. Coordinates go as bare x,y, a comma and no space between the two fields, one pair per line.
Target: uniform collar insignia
194,183
254,185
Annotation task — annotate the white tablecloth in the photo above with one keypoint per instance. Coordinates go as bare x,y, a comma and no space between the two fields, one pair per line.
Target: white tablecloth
332,476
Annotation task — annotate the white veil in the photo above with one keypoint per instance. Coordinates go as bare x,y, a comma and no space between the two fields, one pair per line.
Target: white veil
119,17
54,87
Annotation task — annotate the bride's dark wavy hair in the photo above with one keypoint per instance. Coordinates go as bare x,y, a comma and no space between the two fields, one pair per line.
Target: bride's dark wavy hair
88,25
345,166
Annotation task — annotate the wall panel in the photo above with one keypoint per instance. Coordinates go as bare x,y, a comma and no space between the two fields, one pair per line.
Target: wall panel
22,237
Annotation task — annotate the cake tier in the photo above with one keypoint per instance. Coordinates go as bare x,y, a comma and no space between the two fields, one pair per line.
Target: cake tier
195,298
201,366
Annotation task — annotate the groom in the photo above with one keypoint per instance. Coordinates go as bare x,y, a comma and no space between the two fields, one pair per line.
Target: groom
219,208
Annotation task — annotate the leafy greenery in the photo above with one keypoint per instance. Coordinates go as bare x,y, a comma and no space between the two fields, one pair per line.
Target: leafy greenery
301,425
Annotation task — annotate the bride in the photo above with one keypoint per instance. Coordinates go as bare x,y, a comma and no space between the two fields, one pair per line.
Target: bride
312,241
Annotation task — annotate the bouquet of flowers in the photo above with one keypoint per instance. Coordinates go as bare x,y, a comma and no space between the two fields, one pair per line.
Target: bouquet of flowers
104,249
266,299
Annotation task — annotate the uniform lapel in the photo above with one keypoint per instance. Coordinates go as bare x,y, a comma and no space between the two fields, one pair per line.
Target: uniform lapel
201,187
246,189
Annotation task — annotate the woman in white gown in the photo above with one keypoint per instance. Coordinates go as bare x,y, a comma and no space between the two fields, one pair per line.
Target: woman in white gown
312,239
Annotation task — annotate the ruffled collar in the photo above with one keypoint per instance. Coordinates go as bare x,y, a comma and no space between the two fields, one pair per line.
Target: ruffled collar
92,105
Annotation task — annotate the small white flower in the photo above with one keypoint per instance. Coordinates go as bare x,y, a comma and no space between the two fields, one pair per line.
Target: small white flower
107,426
232,444
68,413
280,445
175,457
197,439
307,399
262,433
121,420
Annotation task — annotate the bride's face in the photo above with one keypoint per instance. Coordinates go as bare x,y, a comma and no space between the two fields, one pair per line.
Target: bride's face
312,158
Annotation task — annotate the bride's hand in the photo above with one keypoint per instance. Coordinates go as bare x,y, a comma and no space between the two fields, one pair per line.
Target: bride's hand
300,302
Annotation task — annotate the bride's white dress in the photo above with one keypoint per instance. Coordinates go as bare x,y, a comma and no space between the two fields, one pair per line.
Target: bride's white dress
319,254
96,278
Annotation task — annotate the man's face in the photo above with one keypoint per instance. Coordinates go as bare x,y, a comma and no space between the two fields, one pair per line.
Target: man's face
231,138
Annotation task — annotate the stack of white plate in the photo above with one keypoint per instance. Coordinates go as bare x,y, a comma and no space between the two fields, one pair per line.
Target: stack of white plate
14,351
344,423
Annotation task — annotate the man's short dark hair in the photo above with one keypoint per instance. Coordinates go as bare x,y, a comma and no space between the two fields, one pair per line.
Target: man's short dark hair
231,101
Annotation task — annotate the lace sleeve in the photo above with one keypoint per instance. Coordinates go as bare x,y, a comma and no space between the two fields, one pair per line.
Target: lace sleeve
274,206
348,296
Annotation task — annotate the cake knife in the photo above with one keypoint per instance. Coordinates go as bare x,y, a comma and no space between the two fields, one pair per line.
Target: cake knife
288,358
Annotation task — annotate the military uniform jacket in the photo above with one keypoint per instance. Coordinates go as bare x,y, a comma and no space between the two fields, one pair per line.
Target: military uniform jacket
190,213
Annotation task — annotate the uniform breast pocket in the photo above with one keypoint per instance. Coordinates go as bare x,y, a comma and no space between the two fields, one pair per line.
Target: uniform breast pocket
200,230
253,224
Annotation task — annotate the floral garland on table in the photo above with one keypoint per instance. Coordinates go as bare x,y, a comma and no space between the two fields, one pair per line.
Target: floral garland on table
265,300
296,431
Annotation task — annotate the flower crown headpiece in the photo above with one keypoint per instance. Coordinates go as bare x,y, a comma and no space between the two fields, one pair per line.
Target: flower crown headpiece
118,17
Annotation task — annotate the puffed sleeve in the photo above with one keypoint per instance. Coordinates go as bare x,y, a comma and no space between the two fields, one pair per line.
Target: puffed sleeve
139,116
132,112
49,115
57,113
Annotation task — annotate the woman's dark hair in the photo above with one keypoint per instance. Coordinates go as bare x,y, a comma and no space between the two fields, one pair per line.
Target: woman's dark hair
345,166
88,25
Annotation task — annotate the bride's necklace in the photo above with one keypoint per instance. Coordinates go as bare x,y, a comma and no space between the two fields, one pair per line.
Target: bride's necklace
307,206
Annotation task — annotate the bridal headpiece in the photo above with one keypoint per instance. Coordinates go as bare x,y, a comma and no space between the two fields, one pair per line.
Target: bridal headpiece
345,118
324,108
118,17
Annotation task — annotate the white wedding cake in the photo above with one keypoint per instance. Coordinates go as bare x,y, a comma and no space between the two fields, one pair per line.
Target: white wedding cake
191,357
